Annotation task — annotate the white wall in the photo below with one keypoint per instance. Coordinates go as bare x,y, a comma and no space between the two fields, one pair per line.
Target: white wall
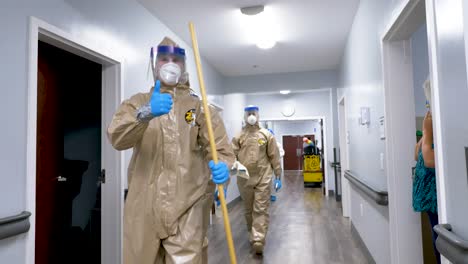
122,26
233,115
360,79
420,56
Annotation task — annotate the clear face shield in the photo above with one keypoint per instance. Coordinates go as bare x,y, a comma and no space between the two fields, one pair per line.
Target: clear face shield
251,116
169,65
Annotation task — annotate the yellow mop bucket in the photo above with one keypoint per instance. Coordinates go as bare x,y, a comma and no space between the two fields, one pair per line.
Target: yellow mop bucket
311,171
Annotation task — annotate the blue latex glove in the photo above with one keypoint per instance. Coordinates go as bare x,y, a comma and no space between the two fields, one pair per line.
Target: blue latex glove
216,196
278,184
161,104
219,171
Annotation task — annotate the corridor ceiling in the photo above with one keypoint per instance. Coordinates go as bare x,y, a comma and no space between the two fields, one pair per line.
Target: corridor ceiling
311,34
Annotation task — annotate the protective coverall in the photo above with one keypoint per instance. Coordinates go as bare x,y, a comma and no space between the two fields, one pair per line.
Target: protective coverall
257,150
167,210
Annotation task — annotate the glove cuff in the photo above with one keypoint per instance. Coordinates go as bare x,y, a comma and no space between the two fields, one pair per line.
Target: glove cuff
144,113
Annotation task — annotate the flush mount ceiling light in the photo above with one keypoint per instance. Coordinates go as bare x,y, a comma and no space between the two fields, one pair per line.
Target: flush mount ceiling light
285,92
252,10
259,26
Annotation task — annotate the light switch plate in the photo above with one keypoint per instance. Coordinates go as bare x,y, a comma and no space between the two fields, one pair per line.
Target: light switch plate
365,116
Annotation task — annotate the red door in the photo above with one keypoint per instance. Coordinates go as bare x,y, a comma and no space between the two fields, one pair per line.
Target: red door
292,152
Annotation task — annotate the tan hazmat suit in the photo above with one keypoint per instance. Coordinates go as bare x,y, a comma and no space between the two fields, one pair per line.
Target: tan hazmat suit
257,150
167,210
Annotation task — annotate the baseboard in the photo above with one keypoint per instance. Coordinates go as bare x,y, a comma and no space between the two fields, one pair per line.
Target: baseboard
234,202
362,245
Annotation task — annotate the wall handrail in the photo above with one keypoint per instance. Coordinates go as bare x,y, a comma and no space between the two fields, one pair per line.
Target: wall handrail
14,225
379,196
453,247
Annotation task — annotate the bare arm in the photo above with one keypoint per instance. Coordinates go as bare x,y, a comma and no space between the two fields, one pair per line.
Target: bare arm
428,151
416,149
428,142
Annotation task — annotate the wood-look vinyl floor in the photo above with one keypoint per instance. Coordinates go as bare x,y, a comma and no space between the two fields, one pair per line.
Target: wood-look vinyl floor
305,227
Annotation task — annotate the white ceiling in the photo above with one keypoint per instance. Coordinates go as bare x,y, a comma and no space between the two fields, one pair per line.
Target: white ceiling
311,33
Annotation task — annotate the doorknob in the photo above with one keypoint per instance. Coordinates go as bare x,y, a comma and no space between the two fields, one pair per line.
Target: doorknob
61,179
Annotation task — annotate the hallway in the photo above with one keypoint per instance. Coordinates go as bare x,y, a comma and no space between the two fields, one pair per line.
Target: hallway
305,227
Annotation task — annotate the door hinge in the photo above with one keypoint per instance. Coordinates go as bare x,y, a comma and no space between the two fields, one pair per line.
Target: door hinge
102,177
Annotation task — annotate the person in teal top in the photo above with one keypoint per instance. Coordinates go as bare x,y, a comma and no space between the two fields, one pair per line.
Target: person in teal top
424,182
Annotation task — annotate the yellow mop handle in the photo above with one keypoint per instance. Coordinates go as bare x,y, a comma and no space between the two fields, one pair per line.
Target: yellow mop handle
227,225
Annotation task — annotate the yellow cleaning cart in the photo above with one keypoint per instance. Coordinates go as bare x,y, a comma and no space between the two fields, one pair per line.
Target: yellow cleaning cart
312,172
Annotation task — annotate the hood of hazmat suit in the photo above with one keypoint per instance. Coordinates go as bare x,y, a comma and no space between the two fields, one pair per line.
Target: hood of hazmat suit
257,150
170,191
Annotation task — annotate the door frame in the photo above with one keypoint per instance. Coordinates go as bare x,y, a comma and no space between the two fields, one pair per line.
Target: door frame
326,171
112,92
344,155
400,126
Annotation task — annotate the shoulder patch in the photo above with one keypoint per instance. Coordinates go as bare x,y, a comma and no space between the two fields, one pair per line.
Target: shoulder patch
261,141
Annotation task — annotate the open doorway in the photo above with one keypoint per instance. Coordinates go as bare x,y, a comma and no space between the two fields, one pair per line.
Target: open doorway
68,183
66,144
405,68
420,59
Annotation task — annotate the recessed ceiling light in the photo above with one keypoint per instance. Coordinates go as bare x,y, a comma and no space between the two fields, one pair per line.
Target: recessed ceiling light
285,92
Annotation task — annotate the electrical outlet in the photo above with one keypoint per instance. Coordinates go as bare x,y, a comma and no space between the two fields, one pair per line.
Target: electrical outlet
362,209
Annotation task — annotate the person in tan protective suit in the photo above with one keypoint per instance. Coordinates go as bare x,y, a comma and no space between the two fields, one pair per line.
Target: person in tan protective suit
257,150
170,191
